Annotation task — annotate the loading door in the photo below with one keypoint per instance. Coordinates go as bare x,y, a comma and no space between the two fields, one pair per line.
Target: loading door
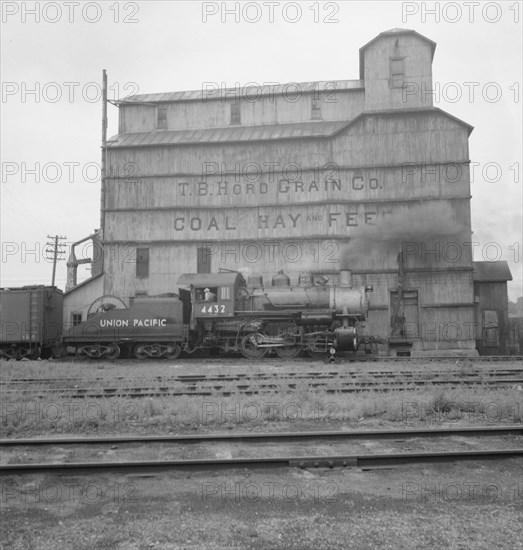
490,329
404,318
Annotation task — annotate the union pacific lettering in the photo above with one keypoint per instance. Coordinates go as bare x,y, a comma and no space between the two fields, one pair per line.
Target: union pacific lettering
120,323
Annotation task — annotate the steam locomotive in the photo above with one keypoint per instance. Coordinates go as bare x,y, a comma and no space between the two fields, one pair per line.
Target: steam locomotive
226,313
221,312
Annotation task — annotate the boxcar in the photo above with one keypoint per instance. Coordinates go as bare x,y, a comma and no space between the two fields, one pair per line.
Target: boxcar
30,321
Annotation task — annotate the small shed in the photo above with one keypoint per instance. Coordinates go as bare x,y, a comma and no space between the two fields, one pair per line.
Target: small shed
491,311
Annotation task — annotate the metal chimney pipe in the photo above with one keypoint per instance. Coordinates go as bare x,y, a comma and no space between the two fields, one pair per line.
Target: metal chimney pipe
72,270
73,263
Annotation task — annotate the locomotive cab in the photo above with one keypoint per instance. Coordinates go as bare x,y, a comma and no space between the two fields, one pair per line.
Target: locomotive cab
213,295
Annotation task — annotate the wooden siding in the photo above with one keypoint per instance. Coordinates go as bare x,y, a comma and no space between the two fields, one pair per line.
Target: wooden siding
79,299
138,118
372,140
417,55
284,222
256,187
294,107
492,297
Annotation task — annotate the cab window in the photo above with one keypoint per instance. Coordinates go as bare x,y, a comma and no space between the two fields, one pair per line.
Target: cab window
206,294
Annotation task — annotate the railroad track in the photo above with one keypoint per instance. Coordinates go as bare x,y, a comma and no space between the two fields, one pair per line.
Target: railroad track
248,389
351,375
298,374
346,358
360,460
438,359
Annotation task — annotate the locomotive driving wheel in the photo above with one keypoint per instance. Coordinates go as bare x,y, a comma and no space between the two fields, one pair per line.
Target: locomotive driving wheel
288,352
292,348
318,347
250,348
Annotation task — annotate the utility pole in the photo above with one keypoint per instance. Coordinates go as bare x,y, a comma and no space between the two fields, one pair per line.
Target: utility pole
55,248
104,155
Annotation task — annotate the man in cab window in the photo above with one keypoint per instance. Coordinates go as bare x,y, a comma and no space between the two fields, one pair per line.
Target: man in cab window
209,296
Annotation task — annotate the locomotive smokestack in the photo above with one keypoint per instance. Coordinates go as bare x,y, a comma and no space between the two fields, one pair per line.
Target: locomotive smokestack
346,278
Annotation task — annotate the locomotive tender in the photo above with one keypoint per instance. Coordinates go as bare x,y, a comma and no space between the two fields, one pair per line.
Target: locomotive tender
220,311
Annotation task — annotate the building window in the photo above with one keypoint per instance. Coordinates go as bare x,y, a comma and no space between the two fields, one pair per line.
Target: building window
142,262
76,319
162,118
316,109
203,260
236,117
397,72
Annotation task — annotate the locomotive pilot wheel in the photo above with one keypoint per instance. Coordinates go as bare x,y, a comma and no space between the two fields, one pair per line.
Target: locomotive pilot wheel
249,346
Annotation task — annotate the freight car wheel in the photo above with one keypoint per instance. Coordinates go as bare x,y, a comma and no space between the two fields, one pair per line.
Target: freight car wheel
113,352
139,352
173,352
34,354
250,348
81,353
46,353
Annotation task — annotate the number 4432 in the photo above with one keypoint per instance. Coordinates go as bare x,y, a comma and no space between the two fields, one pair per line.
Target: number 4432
213,308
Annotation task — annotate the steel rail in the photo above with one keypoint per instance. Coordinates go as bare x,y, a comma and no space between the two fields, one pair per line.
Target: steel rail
272,436
359,461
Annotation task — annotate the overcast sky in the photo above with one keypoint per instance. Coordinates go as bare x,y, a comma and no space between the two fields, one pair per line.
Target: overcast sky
60,52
